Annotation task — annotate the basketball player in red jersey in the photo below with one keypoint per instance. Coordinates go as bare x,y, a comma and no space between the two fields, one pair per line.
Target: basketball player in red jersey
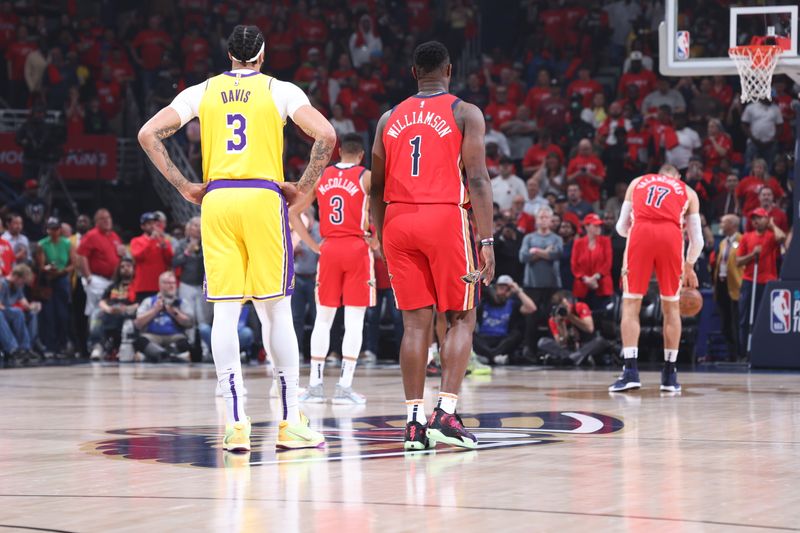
345,275
420,200
652,218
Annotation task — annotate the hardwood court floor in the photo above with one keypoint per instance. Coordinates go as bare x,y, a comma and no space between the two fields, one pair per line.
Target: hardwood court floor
136,448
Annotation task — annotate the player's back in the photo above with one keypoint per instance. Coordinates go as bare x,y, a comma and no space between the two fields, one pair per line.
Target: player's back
241,129
342,201
659,199
423,152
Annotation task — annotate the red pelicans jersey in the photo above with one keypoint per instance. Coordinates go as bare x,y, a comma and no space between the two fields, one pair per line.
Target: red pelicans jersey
423,152
658,198
342,201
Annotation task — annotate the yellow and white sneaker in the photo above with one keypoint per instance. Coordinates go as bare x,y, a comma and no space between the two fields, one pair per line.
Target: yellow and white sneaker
237,436
297,436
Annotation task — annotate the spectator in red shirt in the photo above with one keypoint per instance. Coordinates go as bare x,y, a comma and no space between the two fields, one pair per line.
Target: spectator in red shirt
121,69
344,68
591,264
638,75
606,133
195,48
584,86
717,144
16,54
282,54
308,70
766,200
748,189
7,255
501,109
762,245
722,91
149,45
587,169
552,112
152,253
98,257
313,31
536,154
539,92
109,94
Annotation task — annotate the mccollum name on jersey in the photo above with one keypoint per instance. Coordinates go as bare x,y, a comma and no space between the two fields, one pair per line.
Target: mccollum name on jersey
339,183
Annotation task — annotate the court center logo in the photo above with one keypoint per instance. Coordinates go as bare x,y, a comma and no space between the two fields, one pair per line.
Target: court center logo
372,437
784,317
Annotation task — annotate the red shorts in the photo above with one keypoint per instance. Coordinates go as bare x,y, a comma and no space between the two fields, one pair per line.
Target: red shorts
653,246
345,275
430,252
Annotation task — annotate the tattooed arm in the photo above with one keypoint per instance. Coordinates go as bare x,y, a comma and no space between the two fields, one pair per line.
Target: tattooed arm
151,137
316,126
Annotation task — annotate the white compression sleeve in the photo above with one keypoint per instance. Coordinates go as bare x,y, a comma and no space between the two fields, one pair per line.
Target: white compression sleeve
321,334
225,348
353,331
624,222
695,238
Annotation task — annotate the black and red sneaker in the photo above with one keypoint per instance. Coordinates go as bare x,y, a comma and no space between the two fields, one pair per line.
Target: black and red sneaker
449,429
416,437
433,370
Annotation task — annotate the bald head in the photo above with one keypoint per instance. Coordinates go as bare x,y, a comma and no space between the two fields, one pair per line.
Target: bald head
729,224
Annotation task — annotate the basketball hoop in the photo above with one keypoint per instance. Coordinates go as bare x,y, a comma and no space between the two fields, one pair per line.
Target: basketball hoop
755,64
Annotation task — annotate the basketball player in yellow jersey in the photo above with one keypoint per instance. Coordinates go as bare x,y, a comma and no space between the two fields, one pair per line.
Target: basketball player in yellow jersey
246,240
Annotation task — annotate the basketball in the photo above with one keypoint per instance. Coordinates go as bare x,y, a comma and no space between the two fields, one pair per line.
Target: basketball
691,302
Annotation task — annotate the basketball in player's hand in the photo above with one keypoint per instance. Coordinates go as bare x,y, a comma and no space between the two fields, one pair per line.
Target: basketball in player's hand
691,302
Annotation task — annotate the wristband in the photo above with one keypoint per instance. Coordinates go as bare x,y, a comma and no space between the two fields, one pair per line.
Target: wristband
487,242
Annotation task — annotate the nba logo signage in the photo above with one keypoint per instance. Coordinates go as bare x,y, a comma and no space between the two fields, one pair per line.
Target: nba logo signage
784,317
682,45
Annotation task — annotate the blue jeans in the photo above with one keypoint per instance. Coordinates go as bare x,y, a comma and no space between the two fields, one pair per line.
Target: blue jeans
20,328
304,307
246,337
105,327
55,315
373,320
745,295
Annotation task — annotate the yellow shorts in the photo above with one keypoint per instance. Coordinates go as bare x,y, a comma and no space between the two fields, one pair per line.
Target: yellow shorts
247,245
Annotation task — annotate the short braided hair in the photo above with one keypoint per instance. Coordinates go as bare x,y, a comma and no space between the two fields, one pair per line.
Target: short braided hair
245,42
430,56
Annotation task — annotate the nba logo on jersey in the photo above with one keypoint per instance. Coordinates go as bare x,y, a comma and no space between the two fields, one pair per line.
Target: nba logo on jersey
682,45
780,311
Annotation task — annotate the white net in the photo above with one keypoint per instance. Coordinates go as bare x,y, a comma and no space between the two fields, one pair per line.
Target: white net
755,65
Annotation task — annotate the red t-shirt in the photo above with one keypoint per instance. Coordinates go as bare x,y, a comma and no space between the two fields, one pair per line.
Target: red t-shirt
526,223
7,257
535,97
589,188
581,309
501,113
100,249
314,31
536,154
748,189
723,94
151,260
767,261
151,45
109,95
16,55
778,216
120,71
710,154
281,59
636,141
194,50
644,79
587,89
587,261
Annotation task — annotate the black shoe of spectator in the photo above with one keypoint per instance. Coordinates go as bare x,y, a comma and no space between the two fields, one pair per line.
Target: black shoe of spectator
433,370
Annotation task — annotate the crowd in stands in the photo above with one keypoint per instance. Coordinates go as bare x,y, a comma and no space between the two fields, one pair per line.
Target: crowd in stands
562,144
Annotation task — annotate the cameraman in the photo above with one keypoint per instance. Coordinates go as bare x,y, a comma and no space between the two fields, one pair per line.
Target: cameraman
162,320
40,142
572,326
500,322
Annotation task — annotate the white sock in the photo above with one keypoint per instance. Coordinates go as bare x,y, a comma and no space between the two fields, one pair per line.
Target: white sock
432,349
283,347
630,353
316,375
348,368
670,356
225,349
447,402
415,411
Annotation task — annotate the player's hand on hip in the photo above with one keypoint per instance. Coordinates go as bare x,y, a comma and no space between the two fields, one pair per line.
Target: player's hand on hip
194,192
689,276
289,191
487,272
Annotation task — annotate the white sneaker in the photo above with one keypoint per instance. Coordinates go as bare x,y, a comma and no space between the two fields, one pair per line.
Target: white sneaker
314,394
369,358
97,353
333,359
347,396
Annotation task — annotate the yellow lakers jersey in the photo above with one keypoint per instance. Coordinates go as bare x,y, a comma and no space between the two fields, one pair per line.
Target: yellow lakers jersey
241,130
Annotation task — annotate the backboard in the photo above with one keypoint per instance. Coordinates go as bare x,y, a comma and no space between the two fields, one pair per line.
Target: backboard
694,40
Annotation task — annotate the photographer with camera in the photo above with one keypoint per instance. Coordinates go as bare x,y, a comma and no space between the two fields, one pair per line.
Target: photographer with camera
500,319
162,320
574,337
